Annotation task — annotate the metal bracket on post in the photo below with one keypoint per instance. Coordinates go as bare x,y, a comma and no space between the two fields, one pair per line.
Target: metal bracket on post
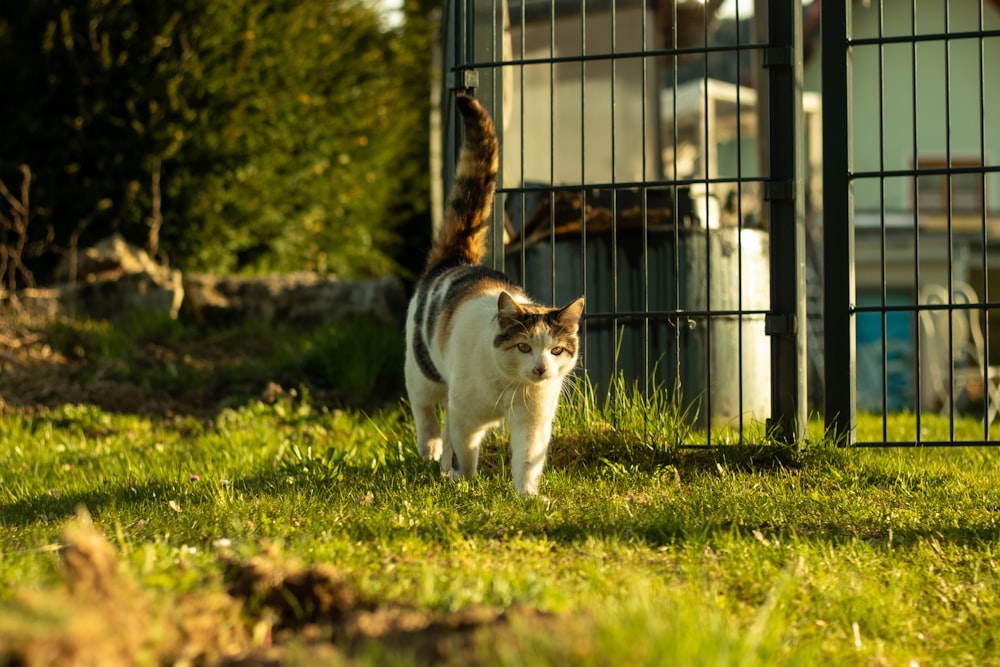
778,56
780,324
779,191
465,80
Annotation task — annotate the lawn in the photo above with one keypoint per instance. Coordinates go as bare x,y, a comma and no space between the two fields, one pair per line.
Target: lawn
287,527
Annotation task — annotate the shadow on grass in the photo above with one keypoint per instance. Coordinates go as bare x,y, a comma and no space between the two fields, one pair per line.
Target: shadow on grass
157,366
659,514
661,524
55,508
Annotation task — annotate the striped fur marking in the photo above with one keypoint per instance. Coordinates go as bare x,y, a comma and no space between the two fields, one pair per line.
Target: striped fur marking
421,353
473,281
453,274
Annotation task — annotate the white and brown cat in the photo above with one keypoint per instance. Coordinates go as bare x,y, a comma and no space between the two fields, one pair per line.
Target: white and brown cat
474,342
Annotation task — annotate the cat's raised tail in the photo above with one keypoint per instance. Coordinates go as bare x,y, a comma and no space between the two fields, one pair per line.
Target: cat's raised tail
462,237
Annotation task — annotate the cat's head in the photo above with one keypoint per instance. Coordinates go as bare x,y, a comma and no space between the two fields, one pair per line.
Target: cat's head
533,343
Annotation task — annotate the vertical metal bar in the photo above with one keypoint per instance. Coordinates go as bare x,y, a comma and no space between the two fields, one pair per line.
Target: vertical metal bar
838,226
498,20
708,129
881,207
552,147
614,203
950,251
453,58
787,219
916,198
677,390
739,229
583,174
552,151
524,198
643,201
984,289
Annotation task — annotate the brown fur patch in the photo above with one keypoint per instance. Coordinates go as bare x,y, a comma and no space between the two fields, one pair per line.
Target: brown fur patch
516,332
519,321
476,282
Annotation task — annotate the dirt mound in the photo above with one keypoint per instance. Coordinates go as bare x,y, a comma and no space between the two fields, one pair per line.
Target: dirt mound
102,617
316,602
271,613
298,596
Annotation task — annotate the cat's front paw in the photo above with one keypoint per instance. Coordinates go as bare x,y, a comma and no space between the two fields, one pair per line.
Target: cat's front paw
430,450
527,485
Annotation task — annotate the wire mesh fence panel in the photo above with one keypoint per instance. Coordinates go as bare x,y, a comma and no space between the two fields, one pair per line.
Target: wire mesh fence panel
655,158
911,188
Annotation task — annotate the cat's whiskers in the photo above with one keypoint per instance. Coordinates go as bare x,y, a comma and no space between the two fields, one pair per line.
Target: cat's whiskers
503,392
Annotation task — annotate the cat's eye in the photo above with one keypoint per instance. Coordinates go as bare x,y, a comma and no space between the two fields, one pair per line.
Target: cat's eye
524,347
556,351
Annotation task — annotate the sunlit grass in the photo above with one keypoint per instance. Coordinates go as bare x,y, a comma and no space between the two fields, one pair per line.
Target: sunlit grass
642,550
927,427
652,552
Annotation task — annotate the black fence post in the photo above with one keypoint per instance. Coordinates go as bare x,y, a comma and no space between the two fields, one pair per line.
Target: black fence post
484,49
785,192
472,45
838,225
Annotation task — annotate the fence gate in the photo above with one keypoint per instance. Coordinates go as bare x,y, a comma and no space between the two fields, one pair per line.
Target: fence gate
661,159
911,190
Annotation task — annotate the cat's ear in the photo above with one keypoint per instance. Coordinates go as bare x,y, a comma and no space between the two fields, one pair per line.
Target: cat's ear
569,317
507,309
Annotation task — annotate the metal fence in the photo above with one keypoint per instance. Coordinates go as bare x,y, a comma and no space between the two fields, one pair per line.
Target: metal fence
676,163
911,185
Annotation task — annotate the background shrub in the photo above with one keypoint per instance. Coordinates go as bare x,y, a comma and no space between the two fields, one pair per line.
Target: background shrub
241,136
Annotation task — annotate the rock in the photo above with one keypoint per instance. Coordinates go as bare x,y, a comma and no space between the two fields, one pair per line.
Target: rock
112,297
109,298
113,279
301,298
110,257
38,302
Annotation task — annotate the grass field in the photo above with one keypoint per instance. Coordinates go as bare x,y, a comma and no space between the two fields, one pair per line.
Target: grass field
292,531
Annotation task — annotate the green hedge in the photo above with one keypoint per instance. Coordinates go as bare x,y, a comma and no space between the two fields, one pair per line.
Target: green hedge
285,134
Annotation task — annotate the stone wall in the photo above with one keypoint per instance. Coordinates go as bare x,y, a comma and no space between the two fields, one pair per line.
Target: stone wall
115,279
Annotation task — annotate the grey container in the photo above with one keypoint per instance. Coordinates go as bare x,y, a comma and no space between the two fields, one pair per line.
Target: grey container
701,344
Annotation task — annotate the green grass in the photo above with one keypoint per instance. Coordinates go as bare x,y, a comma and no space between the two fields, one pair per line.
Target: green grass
848,557
640,552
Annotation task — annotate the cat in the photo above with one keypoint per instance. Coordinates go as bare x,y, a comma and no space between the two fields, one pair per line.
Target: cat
475,343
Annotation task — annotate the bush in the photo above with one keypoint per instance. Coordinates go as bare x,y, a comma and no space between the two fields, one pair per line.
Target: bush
238,136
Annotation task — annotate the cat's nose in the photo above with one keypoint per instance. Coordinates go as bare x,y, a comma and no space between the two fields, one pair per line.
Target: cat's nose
540,369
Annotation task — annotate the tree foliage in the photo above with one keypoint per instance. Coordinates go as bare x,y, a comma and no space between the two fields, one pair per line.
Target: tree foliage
236,136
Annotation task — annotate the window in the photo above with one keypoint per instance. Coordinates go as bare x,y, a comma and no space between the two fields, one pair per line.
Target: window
966,186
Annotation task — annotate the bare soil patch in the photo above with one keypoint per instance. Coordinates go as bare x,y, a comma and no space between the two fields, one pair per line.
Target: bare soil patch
48,362
270,612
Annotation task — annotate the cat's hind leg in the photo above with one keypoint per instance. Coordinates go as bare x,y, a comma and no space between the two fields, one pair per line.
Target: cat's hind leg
424,396
425,420
447,452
